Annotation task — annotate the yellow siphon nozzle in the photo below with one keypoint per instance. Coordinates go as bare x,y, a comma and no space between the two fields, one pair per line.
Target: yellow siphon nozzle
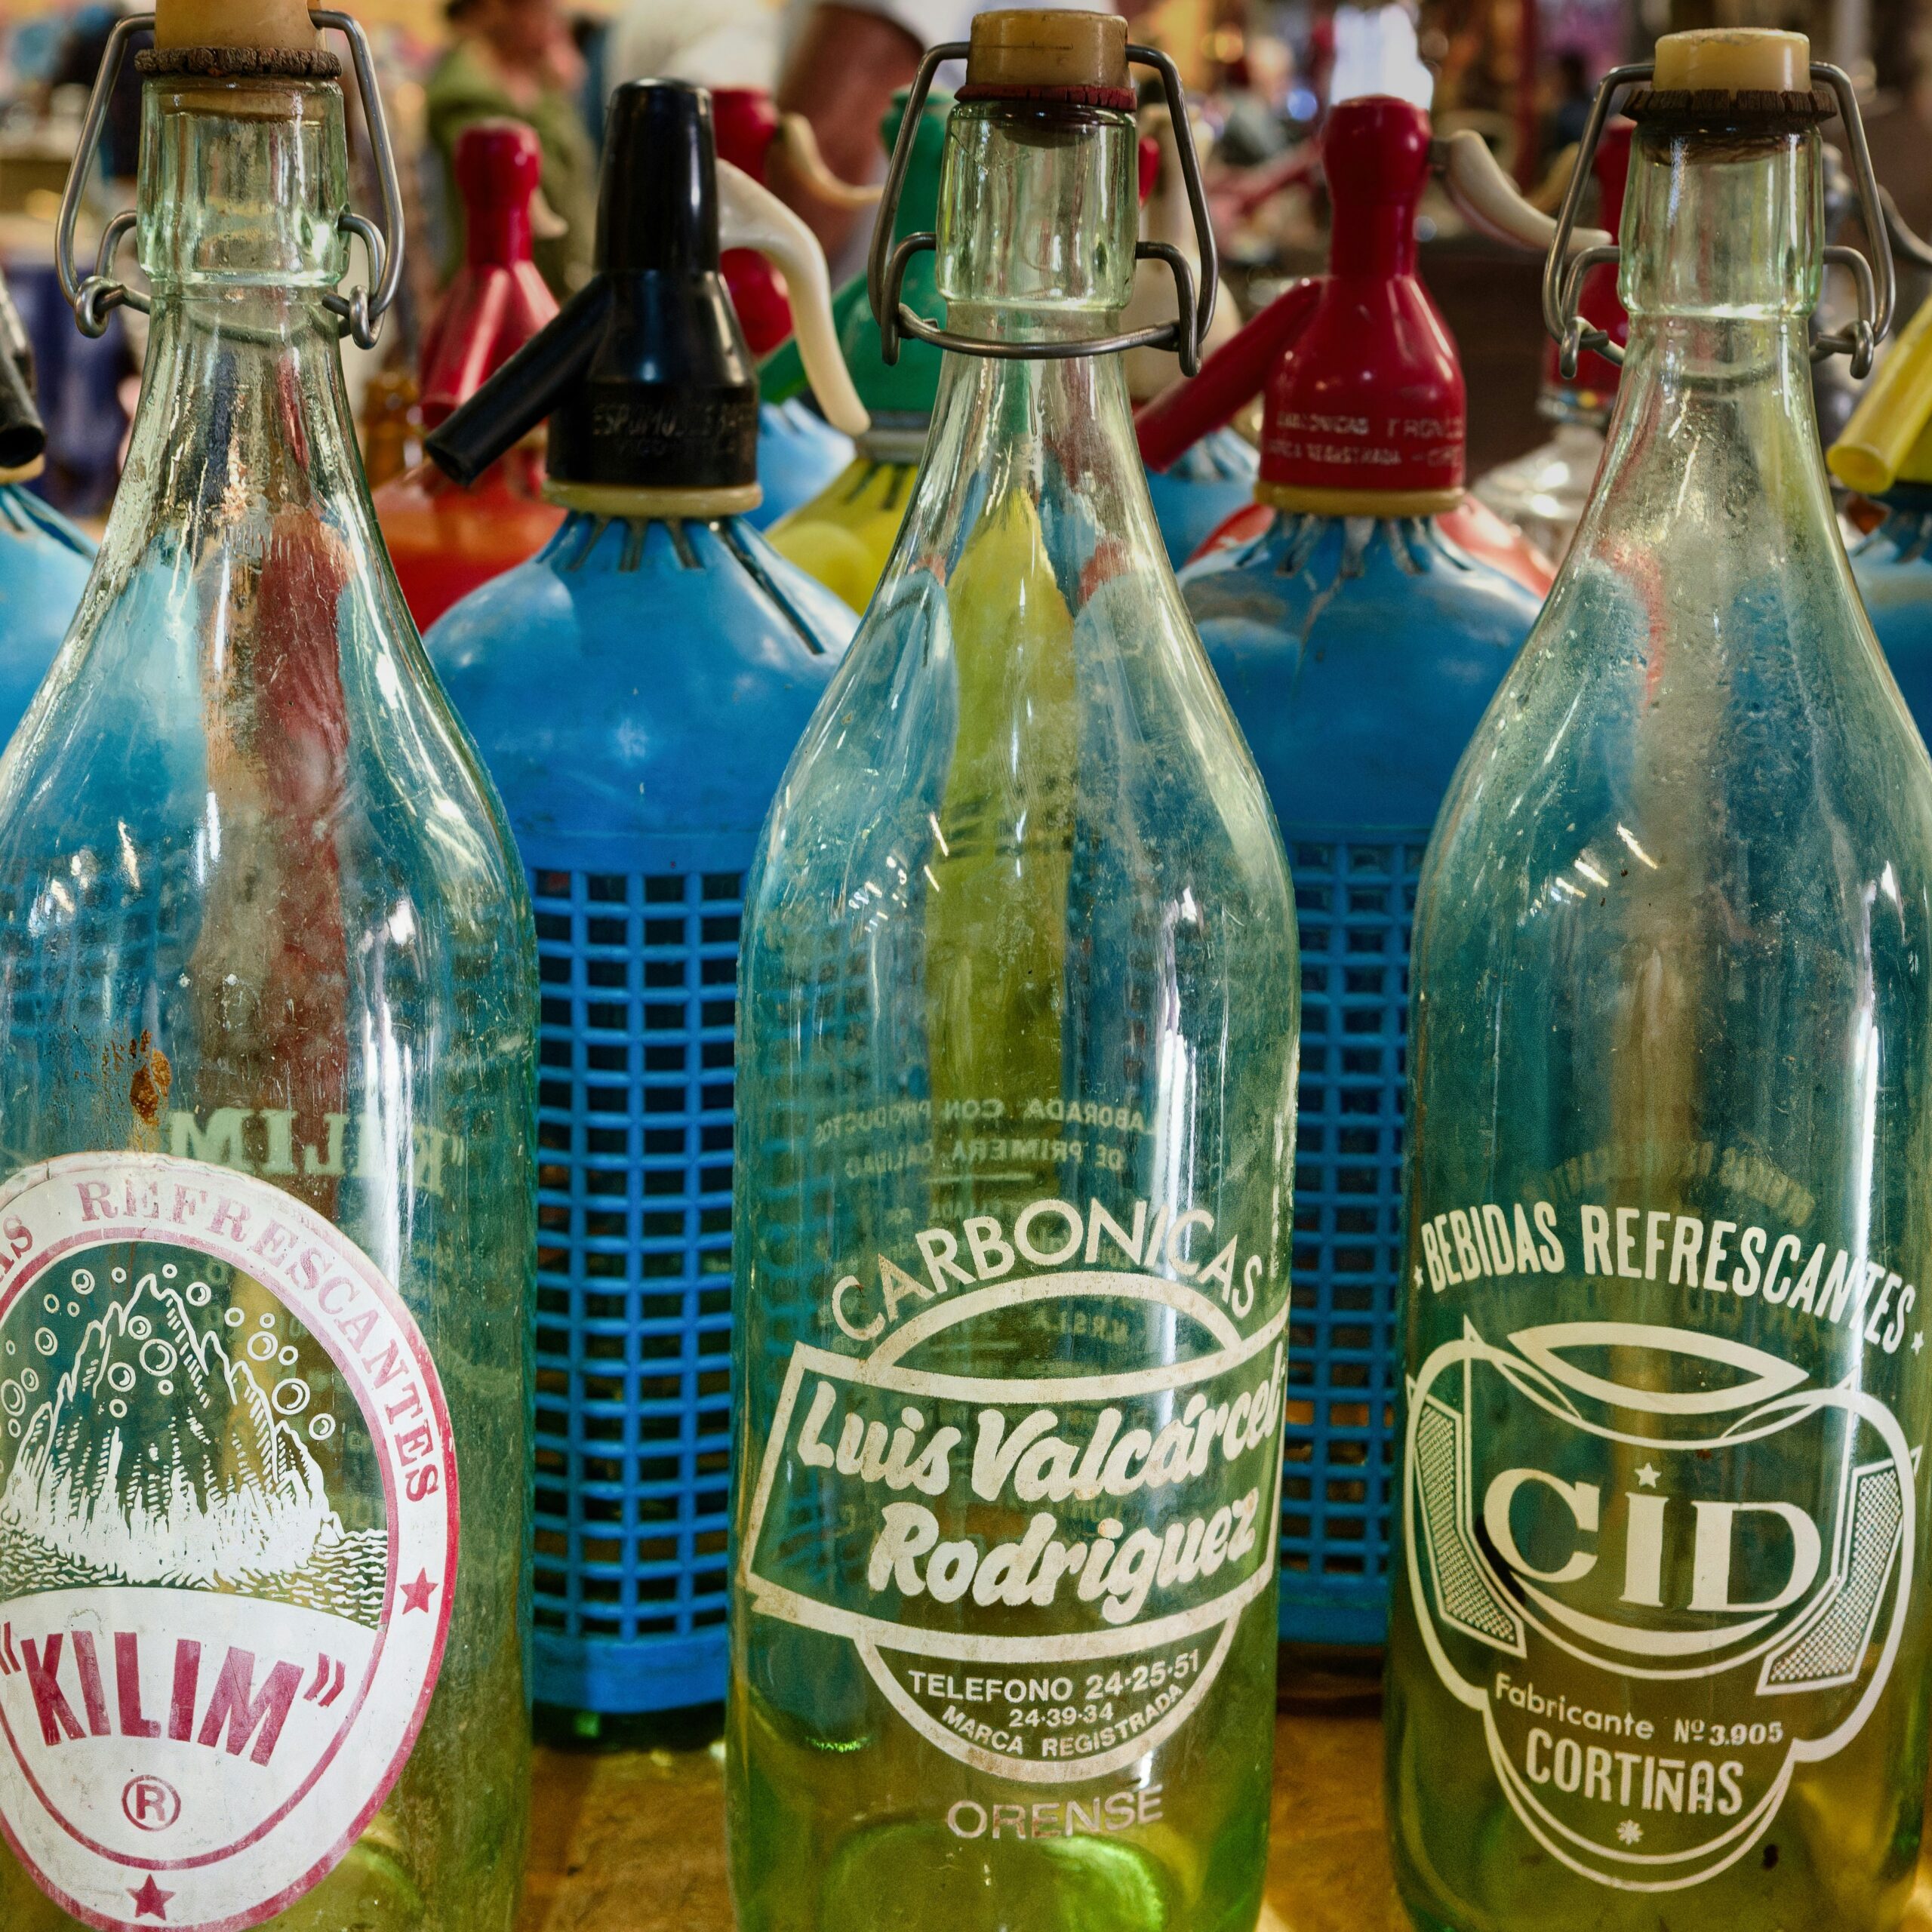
1889,438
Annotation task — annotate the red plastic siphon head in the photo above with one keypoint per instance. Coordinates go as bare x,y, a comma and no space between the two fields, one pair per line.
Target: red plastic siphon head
1597,303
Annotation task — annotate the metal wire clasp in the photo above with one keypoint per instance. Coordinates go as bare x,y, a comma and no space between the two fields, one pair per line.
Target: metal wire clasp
885,268
94,297
1562,279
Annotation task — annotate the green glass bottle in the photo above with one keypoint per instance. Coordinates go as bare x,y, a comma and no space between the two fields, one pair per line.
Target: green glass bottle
1018,1003
1659,1643
267,1109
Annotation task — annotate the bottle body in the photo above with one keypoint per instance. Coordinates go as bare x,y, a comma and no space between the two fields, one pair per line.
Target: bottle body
636,815
1655,1642
267,1115
959,1053
799,453
1358,655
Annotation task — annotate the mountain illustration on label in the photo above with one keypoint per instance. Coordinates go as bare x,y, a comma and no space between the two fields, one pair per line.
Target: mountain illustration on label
227,1540
158,1460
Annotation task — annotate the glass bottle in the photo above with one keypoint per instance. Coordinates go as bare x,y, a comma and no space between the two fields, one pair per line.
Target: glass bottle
267,1107
1018,994
1655,1653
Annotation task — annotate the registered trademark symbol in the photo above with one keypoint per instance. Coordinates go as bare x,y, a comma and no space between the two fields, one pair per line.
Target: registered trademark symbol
150,1803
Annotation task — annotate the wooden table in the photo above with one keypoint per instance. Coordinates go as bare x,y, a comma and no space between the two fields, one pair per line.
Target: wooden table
634,1841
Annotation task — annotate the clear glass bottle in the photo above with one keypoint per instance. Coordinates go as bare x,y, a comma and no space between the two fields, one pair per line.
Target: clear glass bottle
1016,1106
267,1106
1656,1654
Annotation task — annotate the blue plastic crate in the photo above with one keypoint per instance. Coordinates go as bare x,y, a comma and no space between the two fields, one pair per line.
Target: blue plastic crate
1354,899
634,1284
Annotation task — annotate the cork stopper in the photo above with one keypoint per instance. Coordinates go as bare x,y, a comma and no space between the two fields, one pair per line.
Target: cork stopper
1047,52
255,26
1733,60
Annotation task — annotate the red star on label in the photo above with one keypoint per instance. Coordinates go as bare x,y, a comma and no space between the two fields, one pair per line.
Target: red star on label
417,1595
150,1901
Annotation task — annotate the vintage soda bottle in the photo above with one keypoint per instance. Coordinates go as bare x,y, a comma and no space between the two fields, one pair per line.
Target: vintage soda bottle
1658,1646
267,1110
636,690
1017,1002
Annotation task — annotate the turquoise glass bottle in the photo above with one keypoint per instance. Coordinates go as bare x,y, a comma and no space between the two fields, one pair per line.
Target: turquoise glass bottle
1659,1639
267,1108
1017,1007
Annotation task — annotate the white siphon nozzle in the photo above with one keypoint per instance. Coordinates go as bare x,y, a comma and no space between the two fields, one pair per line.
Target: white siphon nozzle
749,217
1492,204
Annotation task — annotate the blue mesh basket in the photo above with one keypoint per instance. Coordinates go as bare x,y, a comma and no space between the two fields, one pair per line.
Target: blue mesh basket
636,690
1358,655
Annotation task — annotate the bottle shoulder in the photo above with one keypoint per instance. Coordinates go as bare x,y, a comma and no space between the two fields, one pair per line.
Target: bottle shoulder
641,677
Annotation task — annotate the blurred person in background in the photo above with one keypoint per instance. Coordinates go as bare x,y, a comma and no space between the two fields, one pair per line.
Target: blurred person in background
515,60
843,60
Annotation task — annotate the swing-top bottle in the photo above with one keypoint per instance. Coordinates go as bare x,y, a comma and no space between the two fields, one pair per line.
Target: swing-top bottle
266,1232
1660,1639
1016,1101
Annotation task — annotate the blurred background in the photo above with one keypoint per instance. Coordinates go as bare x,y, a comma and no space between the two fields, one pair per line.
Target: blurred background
1520,73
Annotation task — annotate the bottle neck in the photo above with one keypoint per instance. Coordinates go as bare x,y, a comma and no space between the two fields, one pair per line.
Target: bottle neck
497,233
244,431
1722,239
1031,462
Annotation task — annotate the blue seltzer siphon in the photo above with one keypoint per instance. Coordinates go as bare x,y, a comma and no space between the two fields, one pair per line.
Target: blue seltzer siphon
1017,1014
1658,1646
266,1115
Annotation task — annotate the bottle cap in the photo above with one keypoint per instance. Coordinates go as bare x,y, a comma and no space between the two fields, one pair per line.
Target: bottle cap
1364,401
1733,60
1042,51
645,374
268,26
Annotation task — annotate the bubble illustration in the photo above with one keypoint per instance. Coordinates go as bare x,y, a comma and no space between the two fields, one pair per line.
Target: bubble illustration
13,1429
73,1308
121,1377
30,1380
320,1428
290,1397
290,1356
158,1358
140,1328
169,1270
268,1320
234,1317
51,1303
13,1397
117,1274
45,1340
81,1280
164,1387
199,1294
117,1408
261,1348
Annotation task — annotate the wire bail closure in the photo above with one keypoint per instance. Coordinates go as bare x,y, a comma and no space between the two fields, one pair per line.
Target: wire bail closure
95,296
885,267
1562,281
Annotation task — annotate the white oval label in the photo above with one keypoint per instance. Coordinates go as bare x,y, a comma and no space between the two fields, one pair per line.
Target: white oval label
227,1540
